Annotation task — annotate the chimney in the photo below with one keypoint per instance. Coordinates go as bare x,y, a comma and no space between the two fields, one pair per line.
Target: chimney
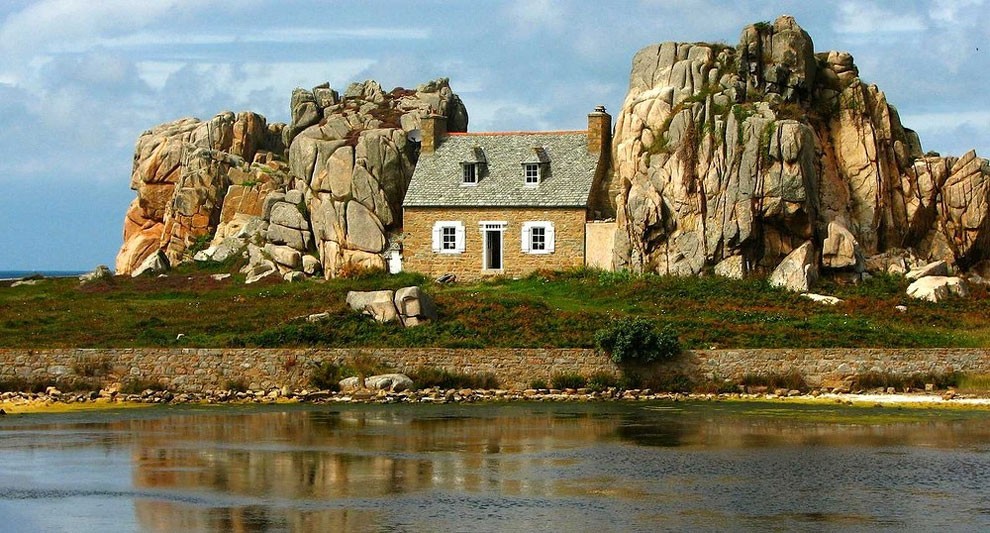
434,129
599,131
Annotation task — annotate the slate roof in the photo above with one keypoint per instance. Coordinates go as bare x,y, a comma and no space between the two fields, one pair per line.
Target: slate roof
565,181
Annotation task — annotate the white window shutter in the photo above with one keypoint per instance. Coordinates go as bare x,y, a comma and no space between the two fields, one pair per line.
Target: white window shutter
459,236
527,236
437,230
550,237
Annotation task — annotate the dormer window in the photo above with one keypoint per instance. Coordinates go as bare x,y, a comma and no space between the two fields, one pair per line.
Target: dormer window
535,166
470,174
472,166
531,174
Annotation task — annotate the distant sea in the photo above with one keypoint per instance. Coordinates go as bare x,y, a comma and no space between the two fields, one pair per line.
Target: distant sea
18,274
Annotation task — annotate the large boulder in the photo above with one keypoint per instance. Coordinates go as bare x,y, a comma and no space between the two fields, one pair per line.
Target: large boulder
935,268
385,382
377,304
414,306
100,272
409,305
798,271
156,263
937,288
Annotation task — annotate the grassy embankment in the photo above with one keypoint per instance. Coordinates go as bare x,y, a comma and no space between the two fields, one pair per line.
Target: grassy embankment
543,310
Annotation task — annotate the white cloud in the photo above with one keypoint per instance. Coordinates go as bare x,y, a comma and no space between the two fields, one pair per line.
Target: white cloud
176,37
156,73
870,19
956,12
532,17
940,122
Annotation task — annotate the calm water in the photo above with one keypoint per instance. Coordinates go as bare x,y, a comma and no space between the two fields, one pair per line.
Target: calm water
516,467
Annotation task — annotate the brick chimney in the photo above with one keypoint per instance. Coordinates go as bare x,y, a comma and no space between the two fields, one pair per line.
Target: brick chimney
434,129
599,131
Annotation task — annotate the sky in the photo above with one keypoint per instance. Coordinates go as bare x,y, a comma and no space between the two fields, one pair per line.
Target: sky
80,80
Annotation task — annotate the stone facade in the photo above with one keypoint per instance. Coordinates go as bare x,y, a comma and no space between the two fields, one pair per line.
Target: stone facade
198,370
417,246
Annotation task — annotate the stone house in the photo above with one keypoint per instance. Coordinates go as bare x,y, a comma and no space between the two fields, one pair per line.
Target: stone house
508,203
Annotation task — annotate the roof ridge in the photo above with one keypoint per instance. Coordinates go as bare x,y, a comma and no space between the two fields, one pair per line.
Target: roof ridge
479,133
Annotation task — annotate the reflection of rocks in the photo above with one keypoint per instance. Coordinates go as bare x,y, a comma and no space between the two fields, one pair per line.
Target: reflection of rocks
369,456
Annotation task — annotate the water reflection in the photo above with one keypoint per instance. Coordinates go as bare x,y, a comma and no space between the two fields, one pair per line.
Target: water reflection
506,467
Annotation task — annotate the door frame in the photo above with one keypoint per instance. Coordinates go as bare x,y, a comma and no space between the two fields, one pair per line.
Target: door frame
489,227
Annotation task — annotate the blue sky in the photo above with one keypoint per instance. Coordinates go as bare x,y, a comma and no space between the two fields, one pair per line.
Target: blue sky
80,79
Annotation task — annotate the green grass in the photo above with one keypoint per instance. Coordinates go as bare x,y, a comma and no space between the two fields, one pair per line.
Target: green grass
547,309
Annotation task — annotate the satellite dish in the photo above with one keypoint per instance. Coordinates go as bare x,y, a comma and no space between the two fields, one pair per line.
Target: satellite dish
415,135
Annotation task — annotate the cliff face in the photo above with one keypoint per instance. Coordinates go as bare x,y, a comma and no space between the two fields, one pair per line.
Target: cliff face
731,158
346,158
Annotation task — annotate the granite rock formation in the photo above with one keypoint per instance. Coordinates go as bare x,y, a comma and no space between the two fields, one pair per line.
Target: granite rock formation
730,159
182,173
317,195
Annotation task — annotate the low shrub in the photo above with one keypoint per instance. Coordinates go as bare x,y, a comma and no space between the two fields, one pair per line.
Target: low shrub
538,384
236,385
790,380
91,367
974,382
637,340
39,386
568,381
326,375
662,383
883,380
600,381
364,365
715,386
430,377
138,386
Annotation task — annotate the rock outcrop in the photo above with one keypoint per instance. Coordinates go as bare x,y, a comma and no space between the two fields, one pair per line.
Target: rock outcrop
731,158
328,186
409,305
182,172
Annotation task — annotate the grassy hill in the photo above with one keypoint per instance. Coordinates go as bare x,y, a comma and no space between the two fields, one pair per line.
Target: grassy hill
548,309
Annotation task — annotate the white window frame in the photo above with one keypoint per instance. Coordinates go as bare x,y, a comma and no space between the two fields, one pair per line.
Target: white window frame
538,176
475,171
527,237
438,234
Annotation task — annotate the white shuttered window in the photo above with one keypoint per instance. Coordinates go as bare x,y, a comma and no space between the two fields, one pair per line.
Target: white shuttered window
537,237
448,237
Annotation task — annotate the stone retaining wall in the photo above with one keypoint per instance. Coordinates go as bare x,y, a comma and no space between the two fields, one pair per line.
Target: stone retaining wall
197,370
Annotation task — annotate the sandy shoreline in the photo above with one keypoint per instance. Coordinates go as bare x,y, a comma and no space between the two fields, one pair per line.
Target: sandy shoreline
901,400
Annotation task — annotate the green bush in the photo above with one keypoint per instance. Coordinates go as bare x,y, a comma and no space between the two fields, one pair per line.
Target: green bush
568,381
327,375
538,384
138,386
791,380
637,340
662,383
428,377
600,381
